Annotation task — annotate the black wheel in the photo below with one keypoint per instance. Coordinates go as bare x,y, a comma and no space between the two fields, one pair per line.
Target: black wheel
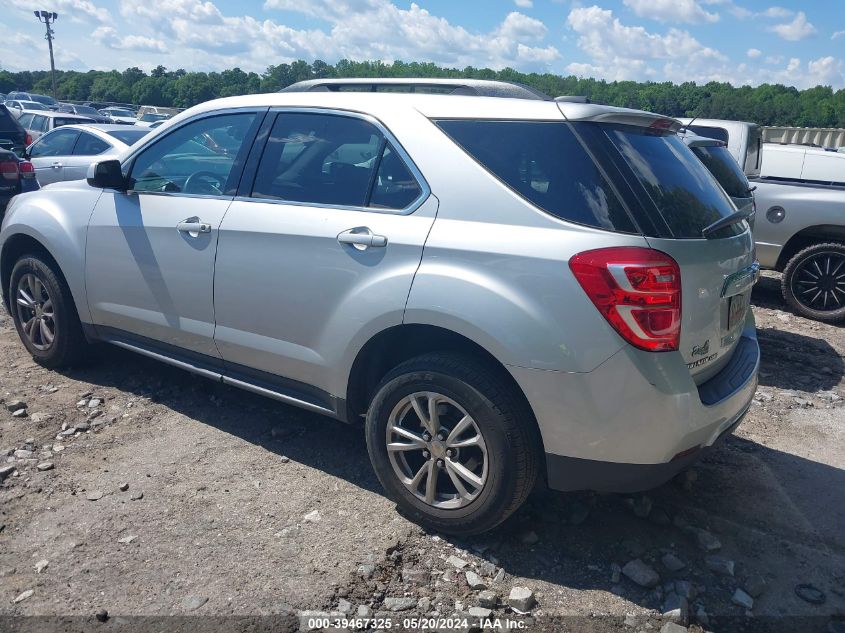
453,443
44,313
814,282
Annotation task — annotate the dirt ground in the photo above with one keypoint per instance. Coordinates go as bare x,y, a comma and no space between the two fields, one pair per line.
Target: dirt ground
134,489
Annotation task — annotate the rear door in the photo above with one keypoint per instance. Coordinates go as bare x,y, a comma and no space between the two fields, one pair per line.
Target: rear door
85,151
677,198
319,251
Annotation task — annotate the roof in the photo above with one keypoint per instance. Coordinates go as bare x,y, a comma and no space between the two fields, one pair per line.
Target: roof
473,87
387,105
63,115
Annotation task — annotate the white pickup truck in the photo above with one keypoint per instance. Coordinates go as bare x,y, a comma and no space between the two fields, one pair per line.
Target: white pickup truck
800,220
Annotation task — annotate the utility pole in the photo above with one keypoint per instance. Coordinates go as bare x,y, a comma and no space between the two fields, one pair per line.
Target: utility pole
46,18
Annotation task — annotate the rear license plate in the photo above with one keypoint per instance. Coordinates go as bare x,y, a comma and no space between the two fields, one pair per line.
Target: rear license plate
737,309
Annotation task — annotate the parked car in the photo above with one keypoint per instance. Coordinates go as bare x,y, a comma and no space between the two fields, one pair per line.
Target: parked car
157,110
744,140
16,176
47,101
719,162
13,136
460,274
119,115
17,107
146,120
38,123
86,111
66,152
803,163
800,228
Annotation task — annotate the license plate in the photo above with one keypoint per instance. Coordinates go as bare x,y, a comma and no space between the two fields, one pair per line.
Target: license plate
737,309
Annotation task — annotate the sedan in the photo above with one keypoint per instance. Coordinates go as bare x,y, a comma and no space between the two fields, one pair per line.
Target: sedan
119,115
66,152
18,107
86,111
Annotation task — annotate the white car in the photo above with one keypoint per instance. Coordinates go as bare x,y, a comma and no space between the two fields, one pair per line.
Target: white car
18,107
66,152
119,115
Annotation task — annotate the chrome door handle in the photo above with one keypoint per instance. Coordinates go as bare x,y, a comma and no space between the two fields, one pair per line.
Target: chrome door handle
193,227
362,238
56,165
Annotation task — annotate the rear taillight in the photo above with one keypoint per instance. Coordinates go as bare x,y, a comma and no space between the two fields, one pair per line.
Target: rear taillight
9,170
638,290
27,169
28,139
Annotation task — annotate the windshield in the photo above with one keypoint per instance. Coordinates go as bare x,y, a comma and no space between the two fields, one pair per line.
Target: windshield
153,117
60,121
86,110
129,137
114,112
725,169
33,105
43,99
672,181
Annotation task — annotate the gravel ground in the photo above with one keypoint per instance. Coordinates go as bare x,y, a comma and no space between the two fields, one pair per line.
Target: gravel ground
134,489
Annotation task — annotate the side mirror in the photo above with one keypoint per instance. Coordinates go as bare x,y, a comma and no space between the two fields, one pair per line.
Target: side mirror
106,175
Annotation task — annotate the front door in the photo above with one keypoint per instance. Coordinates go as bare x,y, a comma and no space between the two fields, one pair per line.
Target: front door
48,155
319,253
150,250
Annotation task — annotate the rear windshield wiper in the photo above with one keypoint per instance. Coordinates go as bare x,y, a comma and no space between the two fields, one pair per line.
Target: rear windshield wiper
728,220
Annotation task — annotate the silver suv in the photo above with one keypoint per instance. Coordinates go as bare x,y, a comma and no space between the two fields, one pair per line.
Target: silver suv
498,289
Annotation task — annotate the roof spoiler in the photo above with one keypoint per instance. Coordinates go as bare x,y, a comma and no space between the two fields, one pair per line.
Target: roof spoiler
572,99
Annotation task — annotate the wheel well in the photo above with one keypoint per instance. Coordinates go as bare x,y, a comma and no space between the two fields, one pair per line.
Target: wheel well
14,247
393,346
807,237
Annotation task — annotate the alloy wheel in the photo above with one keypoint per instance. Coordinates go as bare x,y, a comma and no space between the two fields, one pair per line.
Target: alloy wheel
819,281
35,312
437,450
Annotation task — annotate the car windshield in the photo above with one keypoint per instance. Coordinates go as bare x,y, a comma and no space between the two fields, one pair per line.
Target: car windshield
33,105
117,112
49,101
86,110
129,137
60,121
153,117
725,169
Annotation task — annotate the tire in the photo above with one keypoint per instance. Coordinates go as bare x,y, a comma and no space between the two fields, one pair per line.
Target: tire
819,267
68,345
506,457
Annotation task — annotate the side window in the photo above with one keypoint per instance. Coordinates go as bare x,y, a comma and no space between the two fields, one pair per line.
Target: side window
197,158
89,145
39,123
58,143
334,160
25,120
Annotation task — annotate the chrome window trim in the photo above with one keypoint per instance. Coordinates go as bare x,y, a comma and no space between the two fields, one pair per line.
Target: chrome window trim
425,190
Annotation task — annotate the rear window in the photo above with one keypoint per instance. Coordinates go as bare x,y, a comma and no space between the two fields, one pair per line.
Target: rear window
545,163
677,184
719,133
129,137
725,169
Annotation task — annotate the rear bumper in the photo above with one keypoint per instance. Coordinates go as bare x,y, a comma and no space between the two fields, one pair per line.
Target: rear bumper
638,419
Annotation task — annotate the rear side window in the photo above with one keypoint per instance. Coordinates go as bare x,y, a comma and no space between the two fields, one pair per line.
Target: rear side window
719,133
333,160
89,145
25,120
725,169
677,184
545,163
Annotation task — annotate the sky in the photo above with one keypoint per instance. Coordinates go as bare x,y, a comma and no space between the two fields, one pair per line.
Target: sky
751,42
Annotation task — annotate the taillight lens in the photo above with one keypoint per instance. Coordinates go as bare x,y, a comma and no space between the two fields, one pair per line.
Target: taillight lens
27,169
638,290
28,139
9,170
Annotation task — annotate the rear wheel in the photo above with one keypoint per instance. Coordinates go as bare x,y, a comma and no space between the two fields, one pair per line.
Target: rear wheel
44,313
814,282
453,443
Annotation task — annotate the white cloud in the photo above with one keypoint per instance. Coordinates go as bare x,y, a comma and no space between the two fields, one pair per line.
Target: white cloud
816,72
777,12
689,11
524,4
754,53
108,36
617,51
796,30
837,35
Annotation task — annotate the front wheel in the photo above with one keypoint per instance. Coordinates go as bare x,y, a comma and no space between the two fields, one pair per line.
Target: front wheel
814,282
44,313
453,443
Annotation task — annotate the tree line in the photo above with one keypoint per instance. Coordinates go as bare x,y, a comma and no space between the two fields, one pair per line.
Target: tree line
766,104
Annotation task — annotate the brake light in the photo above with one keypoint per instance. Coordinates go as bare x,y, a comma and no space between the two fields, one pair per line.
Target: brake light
28,139
27,169
638,291
9,170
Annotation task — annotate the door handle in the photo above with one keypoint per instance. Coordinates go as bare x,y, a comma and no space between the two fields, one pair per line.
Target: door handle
193,227
362,238
56,165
